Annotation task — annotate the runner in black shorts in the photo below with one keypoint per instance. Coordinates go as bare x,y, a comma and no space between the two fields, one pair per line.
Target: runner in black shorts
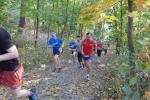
57,44
100,46
78,49
72,47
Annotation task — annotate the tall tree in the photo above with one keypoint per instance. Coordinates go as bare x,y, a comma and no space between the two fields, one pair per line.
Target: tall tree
22,17
121,16
37,23
130,37
66,18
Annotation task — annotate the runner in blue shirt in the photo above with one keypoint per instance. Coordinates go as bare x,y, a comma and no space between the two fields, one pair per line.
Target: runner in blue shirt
72,48
57,44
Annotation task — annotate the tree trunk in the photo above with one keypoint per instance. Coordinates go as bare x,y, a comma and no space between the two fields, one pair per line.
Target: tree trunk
130,39
121,18
37,24
80,29
72,23
22,17
118,36
66,19
58,29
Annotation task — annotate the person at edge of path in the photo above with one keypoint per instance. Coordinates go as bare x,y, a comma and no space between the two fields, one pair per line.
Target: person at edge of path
78,49
100,46
11,72
106,45
57,44
72,48
88,46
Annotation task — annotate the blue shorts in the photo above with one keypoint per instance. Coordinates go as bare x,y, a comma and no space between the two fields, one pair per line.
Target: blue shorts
56,53
87,57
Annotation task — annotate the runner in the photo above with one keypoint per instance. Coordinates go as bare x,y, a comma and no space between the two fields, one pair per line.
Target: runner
100,45
78,49
106,45
88,46
11,72
72,48
57,44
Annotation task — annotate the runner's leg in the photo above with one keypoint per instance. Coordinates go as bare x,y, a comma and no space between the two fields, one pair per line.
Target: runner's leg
80,59
55,62
18,92
105,51
59,63
88,67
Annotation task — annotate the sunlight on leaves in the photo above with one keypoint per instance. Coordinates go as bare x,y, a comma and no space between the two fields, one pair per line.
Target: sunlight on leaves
133,14
93,12
147,3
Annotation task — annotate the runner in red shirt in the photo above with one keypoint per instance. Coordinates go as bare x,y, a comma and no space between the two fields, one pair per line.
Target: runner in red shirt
88,49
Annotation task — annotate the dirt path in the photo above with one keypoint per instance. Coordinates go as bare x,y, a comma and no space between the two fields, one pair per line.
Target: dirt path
70,84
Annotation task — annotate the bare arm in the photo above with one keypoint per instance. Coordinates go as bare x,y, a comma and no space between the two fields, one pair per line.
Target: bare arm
81,47
62,46
11,54
49,46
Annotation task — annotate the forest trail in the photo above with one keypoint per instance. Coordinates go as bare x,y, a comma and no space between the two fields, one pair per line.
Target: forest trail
69,84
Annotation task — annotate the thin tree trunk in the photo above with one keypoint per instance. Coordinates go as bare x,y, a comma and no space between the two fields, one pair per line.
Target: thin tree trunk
49,21
130,39
48,32
34,21
66,19
22,17
72,24
121,18
37,24
80,29
118,36
58,28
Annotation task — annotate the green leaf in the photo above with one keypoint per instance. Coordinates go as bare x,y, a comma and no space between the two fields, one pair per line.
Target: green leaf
117,83
139,64
133,81
126,98
136,96
127,90
122,70
115,70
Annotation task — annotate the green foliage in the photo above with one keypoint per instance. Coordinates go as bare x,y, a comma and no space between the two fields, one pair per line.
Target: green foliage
133,81
3,14
123,69
29,55
130,85
127,90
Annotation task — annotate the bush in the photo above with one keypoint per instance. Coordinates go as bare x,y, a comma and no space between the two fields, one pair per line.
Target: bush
31,56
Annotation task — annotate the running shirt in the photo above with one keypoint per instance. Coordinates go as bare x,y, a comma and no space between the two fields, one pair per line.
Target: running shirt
88,47
100,45
72,45
6,43
55,43
78,46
